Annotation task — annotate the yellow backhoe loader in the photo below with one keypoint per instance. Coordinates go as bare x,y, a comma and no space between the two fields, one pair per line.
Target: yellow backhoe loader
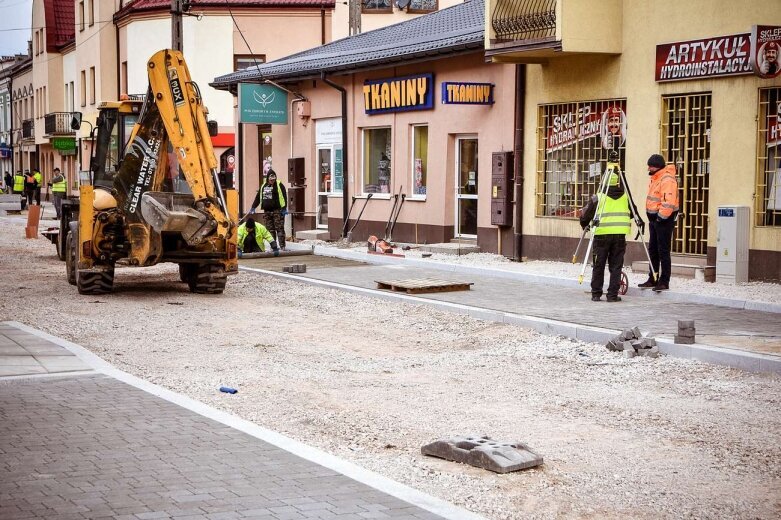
160,200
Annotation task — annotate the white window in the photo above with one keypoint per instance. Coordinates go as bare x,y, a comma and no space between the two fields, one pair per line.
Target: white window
377,155
419,167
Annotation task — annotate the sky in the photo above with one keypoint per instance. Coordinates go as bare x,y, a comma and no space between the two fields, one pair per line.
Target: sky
15,15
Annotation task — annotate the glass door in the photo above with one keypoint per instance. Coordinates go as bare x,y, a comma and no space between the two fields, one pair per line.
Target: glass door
466,187
324,184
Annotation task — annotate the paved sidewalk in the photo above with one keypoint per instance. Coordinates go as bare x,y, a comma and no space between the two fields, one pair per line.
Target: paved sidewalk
91,446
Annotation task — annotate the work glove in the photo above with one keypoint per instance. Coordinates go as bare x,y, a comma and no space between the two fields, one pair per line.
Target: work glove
275,248
252,211
241,253
284,212
276,252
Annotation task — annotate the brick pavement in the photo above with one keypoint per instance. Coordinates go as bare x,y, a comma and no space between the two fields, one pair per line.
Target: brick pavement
89,446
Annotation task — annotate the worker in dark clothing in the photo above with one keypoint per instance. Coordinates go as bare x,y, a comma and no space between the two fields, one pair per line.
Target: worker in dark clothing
612,221
272,197
29,187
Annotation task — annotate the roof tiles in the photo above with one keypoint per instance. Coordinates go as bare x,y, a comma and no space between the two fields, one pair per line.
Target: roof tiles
61,16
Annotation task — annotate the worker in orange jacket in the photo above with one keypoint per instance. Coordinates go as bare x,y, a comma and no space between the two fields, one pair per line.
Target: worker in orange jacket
661,206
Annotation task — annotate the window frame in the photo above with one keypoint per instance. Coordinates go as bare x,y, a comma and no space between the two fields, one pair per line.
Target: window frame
418,196
766,179
81,18
91,12
92,80
83,88
364,159
383,10
260,58
410,10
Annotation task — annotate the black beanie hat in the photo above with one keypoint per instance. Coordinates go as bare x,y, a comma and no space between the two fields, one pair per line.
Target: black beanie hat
657,161
250,223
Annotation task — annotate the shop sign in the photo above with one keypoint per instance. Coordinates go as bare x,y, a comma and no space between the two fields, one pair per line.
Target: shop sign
707,58
64,144
454,93
607,123
774,125
765,50
398,94
262,104
328,131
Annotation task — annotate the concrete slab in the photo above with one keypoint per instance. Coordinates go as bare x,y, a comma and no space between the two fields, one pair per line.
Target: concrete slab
47,350
13,350
6,370
450,249
313,234
61,363
17,361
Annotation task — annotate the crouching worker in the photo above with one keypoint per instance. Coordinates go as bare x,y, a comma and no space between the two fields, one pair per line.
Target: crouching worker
612,222
253,237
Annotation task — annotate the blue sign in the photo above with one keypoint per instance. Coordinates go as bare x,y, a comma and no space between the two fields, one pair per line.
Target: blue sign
262,104
726,212
398,94
454,93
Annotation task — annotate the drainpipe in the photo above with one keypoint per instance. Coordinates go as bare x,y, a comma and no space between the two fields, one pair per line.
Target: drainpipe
520,113
240,164
11,128
345,162
322,24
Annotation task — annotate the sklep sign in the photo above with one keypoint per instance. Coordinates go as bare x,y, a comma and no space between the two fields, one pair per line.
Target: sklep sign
765,50
262,104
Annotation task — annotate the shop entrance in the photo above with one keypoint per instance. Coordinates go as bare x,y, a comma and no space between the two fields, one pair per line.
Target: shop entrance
686,123
324,180
466,187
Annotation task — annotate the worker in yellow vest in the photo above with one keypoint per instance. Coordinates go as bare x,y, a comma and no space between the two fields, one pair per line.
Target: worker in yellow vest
614,222
59,187
38,183
18,187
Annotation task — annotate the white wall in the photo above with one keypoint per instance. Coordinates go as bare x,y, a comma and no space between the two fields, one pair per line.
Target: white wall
207,57
69,74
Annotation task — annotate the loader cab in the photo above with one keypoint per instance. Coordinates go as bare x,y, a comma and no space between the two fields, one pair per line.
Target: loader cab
114,126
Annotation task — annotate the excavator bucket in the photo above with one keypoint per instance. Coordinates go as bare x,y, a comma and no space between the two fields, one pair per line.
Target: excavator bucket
174,212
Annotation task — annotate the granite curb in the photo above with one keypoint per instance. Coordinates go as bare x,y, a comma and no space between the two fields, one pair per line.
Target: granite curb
748,361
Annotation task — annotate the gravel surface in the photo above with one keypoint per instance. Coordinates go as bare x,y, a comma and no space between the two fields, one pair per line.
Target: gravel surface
753,291
372,382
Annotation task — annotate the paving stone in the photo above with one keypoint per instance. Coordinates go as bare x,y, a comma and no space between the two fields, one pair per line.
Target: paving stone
683,340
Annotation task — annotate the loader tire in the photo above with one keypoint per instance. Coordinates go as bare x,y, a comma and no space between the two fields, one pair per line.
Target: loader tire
70,259
95,282
186,272
207,279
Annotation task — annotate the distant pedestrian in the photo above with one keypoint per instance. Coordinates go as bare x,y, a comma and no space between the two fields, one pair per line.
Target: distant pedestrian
18,187
610,229
253,237
29,187
272,197
9,181
661,205
59,186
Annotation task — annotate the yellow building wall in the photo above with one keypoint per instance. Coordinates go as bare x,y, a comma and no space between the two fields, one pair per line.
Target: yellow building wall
631,76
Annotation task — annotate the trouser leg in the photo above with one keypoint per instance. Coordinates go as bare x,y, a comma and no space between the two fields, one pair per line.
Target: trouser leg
615,264
38,196
664,234
598,271
653,249
275,223
251,245
58,204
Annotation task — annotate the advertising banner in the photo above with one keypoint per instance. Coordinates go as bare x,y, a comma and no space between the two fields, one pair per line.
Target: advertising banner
398,94
262,104
587,120
467,93
765,46
774,124
706,58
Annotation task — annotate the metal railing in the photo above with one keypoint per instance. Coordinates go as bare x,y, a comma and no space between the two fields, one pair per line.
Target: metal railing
524,19
58,123
28,129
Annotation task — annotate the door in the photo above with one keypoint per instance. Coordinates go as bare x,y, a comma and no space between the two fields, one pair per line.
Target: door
324,181
686,123
466,187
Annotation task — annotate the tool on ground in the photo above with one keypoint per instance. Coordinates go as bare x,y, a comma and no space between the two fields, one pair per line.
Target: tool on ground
389,238
613,167
393,211
347,220
349,235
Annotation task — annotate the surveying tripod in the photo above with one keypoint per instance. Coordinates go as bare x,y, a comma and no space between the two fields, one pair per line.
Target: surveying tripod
612,167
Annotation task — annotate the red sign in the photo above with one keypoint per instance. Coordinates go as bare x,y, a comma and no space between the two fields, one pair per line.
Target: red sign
765,47
774,125
588,120
708,58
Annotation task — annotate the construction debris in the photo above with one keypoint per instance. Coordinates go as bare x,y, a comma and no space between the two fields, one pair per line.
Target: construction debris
484,452
686,332
294,268
632,343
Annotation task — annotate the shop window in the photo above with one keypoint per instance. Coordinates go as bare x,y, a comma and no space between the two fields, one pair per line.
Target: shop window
376,160
419,159
376,6
768,183
92,85
244,61
421,6
81,15
574,140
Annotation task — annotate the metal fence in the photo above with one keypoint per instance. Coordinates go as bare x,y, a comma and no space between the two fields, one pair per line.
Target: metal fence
524,19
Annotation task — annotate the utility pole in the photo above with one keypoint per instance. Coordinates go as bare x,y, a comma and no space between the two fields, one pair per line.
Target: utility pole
354,16
176,25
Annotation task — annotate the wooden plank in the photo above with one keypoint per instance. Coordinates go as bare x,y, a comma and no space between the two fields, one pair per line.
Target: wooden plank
422,285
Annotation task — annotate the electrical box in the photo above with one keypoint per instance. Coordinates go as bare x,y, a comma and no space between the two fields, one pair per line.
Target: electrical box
501,189
304,109
732,239
295,171
295,196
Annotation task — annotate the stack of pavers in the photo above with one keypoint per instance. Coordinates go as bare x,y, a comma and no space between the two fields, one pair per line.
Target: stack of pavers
633,343
685,334
294,268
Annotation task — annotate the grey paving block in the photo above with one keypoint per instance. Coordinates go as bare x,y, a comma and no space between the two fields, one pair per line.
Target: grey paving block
683,340
484,452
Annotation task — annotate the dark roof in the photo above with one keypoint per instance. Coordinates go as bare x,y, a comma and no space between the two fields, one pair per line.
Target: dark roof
140,6
448,32
60,23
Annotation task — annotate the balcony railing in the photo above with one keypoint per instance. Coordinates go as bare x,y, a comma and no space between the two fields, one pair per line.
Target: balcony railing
28,129
58,123
524,19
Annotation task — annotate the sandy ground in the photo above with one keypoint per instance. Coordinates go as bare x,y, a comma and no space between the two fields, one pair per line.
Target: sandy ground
372,382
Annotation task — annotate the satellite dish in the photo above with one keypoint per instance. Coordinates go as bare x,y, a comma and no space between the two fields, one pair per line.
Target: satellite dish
402,4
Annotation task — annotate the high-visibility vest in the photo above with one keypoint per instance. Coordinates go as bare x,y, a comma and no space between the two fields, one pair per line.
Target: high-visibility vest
662,198
38,177
614,218
282,201
60,187
19,182
261,235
